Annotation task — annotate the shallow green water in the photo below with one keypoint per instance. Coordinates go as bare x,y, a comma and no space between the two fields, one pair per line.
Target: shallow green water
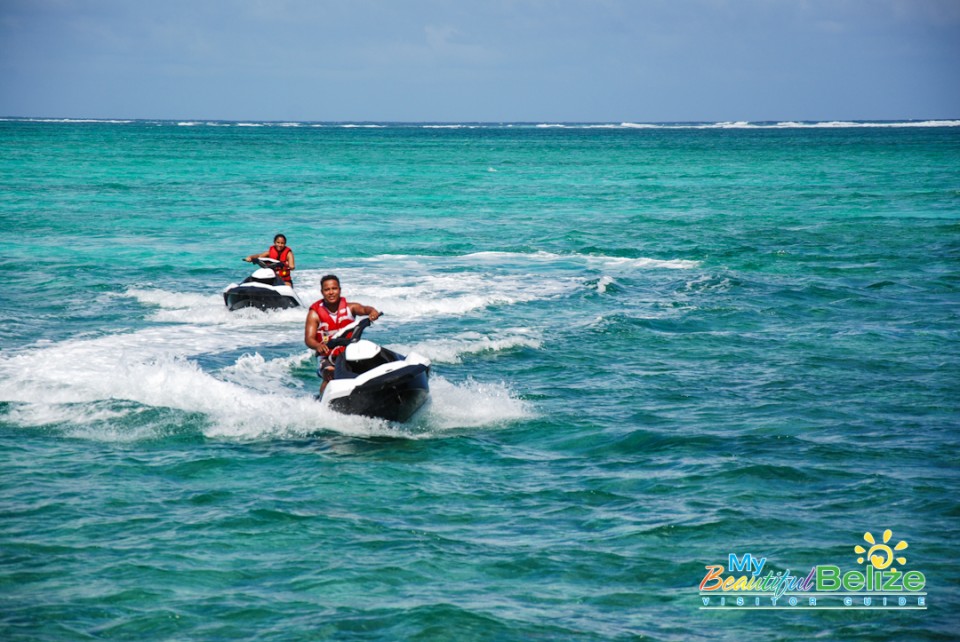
652,348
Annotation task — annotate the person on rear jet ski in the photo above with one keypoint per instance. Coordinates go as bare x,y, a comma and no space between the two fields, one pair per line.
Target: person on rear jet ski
278,252
325,317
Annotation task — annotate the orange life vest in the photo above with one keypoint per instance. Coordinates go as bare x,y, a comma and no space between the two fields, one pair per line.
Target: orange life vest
282,272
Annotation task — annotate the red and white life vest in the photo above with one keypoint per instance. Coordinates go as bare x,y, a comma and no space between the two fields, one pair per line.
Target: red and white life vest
330,323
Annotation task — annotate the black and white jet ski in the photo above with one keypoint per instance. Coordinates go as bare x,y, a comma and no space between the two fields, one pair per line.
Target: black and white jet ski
371,380
263,289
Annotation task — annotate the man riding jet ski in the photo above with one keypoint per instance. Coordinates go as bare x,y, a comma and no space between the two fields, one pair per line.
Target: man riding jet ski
360,377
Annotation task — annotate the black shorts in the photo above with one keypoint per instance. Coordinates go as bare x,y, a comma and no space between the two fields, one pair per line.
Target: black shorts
325,367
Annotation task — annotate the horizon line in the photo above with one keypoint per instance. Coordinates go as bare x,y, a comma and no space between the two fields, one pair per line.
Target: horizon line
540,122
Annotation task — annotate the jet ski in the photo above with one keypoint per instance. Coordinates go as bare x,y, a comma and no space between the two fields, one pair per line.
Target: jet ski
371,380
263,289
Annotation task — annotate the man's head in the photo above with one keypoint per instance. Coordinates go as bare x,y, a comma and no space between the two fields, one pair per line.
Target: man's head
330,288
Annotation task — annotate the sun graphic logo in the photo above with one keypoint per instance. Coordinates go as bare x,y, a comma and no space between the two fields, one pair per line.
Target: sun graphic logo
881,556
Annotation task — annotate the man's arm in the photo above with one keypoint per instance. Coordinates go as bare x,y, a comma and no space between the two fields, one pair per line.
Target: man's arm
310,333
370,311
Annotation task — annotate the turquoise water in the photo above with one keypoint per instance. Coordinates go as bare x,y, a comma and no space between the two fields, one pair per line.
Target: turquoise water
653,347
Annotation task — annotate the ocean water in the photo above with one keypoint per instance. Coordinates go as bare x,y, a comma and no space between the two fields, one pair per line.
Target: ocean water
655,347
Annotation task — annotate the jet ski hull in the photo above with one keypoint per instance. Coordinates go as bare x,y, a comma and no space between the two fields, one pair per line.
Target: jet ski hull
374,381
263,290
394,396
256,297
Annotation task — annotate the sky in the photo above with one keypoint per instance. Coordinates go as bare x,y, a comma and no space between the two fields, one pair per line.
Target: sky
481,60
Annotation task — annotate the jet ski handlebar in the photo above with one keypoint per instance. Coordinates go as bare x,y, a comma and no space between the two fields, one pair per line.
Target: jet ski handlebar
267,263
350,333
